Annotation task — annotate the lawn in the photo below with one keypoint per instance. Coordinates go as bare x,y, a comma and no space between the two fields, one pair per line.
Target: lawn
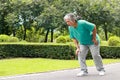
34,65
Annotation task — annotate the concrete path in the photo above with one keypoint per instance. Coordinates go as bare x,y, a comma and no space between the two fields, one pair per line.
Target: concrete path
112,73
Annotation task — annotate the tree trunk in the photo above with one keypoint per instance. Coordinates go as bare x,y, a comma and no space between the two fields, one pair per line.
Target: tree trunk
46,36
105,31
24,36
13,32
3,25
52,35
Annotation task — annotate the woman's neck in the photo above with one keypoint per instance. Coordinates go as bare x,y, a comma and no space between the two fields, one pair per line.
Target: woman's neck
75,25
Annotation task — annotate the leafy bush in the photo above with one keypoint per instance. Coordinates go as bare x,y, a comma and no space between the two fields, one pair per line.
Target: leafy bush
68,39
6,38
103,43
56,34
13,39
61,39
107,52
110,52
32,35
114,41
54,51
41,39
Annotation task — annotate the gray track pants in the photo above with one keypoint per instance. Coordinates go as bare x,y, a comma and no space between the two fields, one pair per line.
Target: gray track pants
95,51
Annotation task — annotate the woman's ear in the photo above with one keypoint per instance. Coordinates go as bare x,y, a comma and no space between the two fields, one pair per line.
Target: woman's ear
73,21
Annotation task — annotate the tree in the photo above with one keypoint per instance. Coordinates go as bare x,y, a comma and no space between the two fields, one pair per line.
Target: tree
48,15
12,20
97,12
49,19
5,9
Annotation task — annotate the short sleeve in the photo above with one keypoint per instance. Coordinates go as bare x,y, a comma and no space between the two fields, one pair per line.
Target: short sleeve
89,26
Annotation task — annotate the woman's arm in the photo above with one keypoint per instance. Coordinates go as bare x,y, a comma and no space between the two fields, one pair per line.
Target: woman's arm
94,36
77,46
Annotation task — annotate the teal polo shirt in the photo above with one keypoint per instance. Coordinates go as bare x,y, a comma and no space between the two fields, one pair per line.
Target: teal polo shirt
83,32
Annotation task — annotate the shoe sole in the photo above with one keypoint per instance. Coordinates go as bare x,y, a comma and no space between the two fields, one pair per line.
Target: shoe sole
82,75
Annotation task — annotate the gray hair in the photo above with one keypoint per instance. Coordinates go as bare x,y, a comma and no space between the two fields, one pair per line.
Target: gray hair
70,16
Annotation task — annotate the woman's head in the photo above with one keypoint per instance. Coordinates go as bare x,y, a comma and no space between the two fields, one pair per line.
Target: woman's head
70,16
70,19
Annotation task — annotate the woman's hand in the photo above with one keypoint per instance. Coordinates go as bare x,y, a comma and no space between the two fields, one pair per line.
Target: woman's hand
95,41
77,51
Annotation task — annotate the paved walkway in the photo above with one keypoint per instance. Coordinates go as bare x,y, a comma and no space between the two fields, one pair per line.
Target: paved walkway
112,73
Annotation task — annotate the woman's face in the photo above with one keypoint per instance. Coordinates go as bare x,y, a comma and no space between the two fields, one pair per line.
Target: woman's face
69,22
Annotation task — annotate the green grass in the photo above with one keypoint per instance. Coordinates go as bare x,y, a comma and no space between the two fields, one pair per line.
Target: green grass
27,65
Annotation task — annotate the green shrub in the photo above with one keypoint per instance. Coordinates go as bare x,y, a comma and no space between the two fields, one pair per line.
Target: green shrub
56,34
13,39
42,38
61,39
32,35
104,43
114,41
110,52
54,51
68,39
23,41
4,38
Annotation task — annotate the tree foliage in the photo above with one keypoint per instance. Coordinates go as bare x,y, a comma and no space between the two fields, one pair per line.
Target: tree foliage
47,15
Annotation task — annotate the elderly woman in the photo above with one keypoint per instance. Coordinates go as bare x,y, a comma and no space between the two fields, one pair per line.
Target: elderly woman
85,37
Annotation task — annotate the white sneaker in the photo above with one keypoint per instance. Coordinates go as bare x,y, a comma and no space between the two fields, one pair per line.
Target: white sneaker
101,73
82,73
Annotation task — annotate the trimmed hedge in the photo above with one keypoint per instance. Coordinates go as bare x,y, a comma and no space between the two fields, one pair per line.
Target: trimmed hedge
110,52
54,51
107,52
